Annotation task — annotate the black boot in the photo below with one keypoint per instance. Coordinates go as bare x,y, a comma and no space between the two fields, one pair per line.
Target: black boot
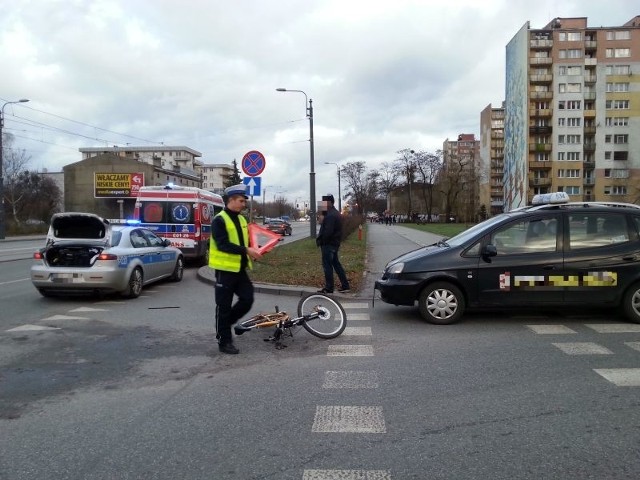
229,348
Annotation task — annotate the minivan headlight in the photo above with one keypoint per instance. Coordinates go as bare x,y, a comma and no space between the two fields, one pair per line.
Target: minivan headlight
395,269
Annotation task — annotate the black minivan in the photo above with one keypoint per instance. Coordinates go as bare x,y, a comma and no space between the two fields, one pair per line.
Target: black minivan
554,253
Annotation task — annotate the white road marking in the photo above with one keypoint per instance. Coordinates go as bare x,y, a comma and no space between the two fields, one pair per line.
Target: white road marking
29,328
89,309
348,419
64,317
634,345
622,377
350,351
15,281
614,327
357,331
349,306
357,316
350,379
346,475
551,329
584,348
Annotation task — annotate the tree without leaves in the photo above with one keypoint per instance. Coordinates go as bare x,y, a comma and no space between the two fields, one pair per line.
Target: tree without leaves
405,167
362,185
428,167
387,179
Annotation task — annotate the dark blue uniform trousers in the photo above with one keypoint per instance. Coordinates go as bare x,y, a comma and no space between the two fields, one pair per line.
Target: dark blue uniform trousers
228,284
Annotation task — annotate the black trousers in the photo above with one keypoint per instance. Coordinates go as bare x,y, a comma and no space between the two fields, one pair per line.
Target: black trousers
229,284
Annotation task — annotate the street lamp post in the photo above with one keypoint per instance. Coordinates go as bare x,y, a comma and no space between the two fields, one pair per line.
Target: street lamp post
2,227
312,173
339,194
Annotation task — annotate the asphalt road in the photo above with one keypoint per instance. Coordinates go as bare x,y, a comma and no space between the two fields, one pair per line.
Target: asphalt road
135,389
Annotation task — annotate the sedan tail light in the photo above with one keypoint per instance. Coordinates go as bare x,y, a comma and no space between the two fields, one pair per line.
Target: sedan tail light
38,256
107,256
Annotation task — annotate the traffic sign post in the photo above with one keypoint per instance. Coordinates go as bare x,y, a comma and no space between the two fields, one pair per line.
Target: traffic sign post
253,164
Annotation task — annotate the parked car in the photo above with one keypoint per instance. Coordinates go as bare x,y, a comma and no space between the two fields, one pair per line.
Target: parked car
279,226
554,253
86,253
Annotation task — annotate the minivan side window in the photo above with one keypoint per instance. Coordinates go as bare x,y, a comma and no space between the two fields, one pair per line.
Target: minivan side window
589,230
528,236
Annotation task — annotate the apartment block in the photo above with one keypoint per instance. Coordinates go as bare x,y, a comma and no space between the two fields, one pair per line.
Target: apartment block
461,177
491,184
572,112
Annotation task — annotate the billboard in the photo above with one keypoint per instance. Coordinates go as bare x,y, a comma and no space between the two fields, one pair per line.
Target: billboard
117,185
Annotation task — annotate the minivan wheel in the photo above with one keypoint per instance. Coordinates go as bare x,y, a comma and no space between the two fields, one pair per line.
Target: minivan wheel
631,303
441,303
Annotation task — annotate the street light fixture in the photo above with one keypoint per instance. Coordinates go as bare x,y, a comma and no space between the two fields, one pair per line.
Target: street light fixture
312,174
2,228
339,194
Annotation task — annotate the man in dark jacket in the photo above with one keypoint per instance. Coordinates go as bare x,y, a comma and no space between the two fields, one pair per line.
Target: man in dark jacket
328,240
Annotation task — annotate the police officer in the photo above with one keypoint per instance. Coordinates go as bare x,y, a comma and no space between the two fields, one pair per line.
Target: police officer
230,255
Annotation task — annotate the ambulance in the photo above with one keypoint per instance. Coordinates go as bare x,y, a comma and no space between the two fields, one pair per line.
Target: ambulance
181,214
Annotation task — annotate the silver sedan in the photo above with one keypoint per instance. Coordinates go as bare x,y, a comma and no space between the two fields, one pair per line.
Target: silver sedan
85,253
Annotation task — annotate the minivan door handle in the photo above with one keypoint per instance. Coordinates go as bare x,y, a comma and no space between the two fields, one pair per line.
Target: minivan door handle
630,258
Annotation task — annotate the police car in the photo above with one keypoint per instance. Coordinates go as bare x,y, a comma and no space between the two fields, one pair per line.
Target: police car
554,253
87,253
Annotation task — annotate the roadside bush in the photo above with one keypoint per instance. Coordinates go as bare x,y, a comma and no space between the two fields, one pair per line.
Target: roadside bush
350,224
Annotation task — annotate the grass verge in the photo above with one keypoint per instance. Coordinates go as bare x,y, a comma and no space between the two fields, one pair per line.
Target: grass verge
299,263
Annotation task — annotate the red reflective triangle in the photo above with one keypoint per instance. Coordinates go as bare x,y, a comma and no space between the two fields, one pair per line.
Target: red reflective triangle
257,240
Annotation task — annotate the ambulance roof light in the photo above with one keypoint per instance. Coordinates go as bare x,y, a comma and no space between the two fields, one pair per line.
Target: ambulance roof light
550,198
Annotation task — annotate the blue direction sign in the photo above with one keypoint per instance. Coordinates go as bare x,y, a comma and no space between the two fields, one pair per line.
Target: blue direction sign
253,163
254,185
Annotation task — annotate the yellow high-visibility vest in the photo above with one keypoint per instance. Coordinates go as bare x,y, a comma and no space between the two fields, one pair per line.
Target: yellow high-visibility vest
229,262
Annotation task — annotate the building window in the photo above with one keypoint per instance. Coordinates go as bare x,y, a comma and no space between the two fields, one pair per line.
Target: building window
561,122
573,156
616,121
572,190
619,35
573,139
621,156
574,121
542,157
616,173
617,104
615,190
618,70
617,87
574,88
561,156
561,139
621,138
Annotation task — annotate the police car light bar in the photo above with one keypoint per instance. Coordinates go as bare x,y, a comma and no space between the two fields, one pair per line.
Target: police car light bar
550,198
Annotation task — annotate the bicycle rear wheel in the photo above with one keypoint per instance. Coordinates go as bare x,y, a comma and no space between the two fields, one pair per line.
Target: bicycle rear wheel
331,319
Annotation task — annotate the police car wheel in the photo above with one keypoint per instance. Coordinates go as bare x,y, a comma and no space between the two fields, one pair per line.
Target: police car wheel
178,271
631,303
441,303
134,287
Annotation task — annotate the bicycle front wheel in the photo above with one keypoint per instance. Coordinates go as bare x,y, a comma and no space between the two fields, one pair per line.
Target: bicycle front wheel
328,318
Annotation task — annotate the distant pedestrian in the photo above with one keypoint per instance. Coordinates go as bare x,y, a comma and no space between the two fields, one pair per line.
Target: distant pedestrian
230,255
328,240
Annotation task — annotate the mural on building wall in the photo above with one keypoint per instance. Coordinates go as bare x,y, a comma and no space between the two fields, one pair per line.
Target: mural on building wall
516,120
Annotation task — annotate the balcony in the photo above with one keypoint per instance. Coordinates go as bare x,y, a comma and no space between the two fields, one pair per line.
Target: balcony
540,147
589,130
540,165
544,79
542,112
540,129
589,113
539,182
541,44
589,198
589,164
588,62
497,134
590,45
541,95
589,181
589,146
540,60
590,79
589,95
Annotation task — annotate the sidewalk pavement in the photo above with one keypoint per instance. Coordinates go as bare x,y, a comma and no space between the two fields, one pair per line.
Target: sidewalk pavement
385,243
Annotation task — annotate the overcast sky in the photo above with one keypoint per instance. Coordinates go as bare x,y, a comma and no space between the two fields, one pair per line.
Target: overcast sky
383,76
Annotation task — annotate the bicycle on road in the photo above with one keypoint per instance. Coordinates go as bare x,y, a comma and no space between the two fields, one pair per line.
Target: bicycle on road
319,314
